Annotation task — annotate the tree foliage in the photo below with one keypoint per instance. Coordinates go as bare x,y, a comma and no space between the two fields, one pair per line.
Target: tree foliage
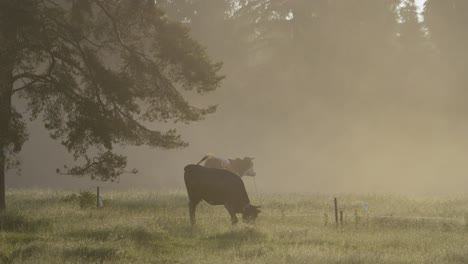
95,71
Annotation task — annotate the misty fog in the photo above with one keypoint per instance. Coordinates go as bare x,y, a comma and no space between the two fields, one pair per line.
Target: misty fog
328,96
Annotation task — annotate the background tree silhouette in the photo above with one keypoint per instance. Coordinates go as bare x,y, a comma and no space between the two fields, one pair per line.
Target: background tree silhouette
364,82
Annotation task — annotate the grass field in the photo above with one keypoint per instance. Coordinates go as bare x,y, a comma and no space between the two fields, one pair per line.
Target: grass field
149,227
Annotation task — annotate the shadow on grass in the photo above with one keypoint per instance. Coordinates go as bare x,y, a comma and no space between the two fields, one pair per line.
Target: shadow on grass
21,252
250,252
136,234
151,201
397,223
461,258
90,254
310,241
235,237
27,252
13,221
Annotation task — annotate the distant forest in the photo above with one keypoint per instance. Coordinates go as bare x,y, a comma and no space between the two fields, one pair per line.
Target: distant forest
340,46
365,89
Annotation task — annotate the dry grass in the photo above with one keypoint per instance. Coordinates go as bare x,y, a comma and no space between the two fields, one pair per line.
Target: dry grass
150,227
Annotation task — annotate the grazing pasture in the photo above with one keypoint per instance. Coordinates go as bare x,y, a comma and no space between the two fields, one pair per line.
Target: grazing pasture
153,227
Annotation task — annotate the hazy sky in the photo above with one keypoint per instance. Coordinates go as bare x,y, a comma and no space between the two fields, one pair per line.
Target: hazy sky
302,139
420,4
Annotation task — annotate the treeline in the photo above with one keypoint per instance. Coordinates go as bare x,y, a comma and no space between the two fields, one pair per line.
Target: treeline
339,47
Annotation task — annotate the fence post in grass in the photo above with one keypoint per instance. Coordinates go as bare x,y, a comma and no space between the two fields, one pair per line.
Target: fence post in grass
341,218
97,198
255,185
336,212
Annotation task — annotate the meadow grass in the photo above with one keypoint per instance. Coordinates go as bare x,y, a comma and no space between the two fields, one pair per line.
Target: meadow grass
152,227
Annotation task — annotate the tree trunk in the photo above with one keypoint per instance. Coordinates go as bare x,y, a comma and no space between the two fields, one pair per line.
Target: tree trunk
6,90
8,54
2,182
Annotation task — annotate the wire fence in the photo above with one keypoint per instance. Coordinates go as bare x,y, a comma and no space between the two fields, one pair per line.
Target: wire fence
324,215
280,216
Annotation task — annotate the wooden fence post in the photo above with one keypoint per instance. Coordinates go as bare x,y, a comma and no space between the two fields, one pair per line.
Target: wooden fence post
341,218
255,185
336,212
97,198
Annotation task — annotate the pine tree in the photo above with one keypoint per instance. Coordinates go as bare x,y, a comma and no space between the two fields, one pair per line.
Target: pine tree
95,71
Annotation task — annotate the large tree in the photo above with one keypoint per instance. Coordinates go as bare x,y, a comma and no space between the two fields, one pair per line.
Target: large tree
95,72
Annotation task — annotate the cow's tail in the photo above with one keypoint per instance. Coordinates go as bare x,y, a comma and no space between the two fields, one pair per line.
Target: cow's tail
190,167
204,158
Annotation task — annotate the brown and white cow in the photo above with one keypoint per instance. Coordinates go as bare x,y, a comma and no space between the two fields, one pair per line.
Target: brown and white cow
242,167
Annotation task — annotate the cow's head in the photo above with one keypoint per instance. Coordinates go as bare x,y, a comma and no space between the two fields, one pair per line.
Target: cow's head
248,161
250,212
242,166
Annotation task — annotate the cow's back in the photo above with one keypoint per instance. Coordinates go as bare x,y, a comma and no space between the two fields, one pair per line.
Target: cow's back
216,163
216,186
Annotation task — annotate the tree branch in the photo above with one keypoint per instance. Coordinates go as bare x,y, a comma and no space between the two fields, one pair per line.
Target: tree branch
26,86
117,31
114,25
36,77
30,76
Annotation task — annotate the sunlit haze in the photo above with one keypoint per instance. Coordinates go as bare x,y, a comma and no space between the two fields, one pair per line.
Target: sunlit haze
324,100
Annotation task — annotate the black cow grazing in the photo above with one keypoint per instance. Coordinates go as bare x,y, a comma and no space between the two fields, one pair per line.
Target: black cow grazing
242,167
218,187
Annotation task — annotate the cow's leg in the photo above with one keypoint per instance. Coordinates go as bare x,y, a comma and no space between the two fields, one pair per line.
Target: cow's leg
232,212
192,205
